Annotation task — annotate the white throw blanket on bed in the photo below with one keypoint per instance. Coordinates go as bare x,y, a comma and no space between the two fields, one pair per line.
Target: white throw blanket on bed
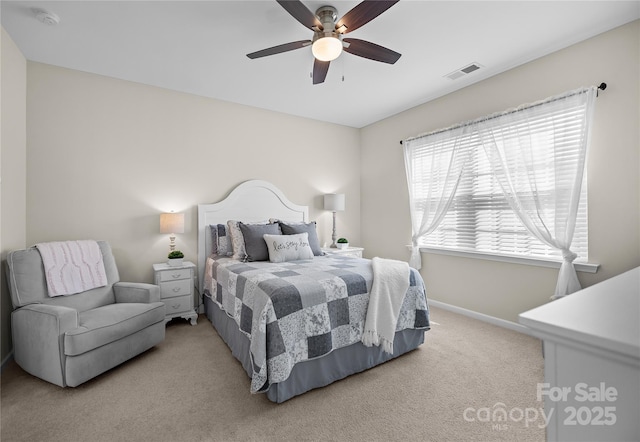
390,284
72,266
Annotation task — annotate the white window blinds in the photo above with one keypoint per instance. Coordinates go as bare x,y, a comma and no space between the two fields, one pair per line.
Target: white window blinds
509,184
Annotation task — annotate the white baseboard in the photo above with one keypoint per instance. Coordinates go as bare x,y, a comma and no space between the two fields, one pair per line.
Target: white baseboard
482,317
6,360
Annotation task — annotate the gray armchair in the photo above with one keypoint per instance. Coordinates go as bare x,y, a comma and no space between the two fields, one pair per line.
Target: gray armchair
67,340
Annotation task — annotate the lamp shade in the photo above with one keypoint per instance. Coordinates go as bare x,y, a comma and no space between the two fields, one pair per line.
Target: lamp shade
172,222
334,202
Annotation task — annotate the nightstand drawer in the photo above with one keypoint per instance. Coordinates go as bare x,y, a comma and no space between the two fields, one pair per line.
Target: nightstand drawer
175,288
178,304
174,275
355,252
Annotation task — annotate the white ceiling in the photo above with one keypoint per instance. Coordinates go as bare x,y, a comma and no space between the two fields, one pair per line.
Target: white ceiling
200,47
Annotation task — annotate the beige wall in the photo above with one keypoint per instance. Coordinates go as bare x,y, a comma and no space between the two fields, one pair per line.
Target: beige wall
13,87
500,289
106,157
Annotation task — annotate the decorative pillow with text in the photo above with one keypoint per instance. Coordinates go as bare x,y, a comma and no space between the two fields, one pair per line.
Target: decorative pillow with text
283,248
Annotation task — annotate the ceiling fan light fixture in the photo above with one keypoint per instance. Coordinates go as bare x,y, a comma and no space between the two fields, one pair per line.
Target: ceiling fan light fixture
327,48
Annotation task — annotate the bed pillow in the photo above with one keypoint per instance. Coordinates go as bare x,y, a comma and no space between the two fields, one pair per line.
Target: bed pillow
220,244
309,228
283,248
254,244
236,239
213,230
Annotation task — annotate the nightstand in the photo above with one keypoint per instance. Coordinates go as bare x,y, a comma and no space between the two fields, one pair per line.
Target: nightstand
356,252
176,290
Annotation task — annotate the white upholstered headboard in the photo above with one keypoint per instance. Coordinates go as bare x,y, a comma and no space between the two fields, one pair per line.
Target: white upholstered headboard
251,201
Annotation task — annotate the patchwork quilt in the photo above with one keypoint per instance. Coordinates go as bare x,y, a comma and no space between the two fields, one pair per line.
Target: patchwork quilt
301,310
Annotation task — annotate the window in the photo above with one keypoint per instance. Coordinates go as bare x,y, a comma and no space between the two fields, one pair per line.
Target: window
481,220
511,184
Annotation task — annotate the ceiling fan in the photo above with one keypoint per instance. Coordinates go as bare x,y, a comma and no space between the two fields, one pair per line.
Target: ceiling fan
327,43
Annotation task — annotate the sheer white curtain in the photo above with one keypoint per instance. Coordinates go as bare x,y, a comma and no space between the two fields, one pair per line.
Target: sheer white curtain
443,159
545,199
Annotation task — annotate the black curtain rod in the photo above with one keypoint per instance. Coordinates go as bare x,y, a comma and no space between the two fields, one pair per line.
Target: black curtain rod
602,87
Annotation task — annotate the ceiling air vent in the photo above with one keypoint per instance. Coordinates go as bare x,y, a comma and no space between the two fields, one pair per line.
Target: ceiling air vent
463,71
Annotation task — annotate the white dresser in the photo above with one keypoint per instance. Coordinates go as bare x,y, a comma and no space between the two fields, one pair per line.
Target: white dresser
592,361
177,290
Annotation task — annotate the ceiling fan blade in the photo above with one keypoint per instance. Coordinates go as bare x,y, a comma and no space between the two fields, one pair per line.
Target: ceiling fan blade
320,69
362,14
301,13
372,51
279,49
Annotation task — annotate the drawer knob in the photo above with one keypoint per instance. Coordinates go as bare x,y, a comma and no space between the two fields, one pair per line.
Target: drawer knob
175,306
176,289
175,275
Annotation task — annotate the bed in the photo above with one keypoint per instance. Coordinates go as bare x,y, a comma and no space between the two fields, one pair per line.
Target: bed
294,325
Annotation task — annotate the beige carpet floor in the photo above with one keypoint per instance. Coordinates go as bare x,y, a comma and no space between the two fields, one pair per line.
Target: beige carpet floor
190,388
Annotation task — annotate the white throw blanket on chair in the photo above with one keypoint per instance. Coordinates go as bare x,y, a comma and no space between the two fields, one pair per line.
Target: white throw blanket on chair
390,284
72,266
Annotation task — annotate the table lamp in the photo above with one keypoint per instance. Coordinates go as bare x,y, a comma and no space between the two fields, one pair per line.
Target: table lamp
335,203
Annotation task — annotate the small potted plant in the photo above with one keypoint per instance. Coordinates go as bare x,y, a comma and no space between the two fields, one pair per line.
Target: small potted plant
175,258
342,243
